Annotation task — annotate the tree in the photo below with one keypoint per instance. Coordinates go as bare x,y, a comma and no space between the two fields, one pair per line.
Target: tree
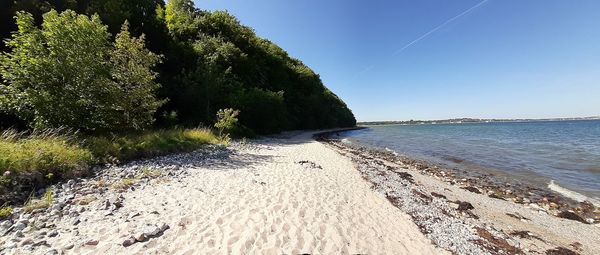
226,120
132,65
180,18
67,74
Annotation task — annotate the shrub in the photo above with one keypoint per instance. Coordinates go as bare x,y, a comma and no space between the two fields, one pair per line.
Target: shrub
226,120
147,144
67,74
39,159
5,212
44,202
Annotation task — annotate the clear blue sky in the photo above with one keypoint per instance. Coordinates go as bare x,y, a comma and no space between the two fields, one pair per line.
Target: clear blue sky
503,59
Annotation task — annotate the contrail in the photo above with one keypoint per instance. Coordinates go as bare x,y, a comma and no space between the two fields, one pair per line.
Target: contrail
438,27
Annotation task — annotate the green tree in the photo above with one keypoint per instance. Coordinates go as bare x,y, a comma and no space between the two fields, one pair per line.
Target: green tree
226,120
180,18
67,74
131,69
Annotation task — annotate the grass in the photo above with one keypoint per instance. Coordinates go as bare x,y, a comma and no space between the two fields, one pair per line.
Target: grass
44,202
150,173
5,212
39,158
149,144
31,161
123,184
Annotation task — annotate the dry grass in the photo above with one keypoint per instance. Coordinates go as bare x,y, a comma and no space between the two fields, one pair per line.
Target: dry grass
123,184
150,143
44,202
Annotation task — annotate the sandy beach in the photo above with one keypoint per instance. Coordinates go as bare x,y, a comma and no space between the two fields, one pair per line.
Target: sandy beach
283,195
273,196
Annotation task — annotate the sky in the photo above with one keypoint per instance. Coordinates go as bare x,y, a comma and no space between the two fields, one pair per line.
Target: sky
439,59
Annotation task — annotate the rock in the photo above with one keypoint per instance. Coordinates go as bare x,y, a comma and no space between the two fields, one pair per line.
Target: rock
472,189
75,221
56,207
27,241
163,226
129,241
19,234
54,212
53,233
438,195
40,243
151,230
19,226
52,252
10,245
571,216
465,206
560,251
68,246
92,242
140,237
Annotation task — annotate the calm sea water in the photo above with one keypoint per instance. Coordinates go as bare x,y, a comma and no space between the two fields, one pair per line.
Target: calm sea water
567,152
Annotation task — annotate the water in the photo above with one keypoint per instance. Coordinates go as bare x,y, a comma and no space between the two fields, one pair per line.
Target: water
566,152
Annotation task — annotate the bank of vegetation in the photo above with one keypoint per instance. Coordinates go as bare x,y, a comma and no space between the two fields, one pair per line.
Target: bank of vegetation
85,82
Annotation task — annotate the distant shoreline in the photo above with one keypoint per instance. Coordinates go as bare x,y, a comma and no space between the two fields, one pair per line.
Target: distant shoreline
468,121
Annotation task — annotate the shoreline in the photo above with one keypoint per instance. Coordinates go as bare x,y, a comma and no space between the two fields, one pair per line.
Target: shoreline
526,218
284,194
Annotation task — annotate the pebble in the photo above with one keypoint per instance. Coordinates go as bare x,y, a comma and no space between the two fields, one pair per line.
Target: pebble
151,230
19,226
52,252
27,241
68,247
140,237
75,221
129,241
92,242
53,233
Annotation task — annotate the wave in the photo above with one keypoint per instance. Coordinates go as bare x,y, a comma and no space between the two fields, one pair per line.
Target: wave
572,194
392,151
346,141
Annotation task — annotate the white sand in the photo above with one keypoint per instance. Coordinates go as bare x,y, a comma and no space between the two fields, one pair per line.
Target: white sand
261,201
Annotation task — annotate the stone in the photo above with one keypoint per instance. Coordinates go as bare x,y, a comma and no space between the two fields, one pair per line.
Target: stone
27,241
129,241
53,233
465,206
19,234
163,226
55,212
19,226
10,245
571,216
52,252
40,243
140,237
92,242
151,230
68,246
75,221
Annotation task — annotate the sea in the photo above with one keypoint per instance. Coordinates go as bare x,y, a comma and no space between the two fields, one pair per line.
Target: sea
563,156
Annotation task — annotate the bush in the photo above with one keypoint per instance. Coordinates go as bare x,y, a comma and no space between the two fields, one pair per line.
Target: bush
5,212
67,74
147,144
39,159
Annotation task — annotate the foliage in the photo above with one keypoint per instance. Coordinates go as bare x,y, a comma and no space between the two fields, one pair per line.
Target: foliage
39,159
149,143
226,120
5,212
44,202
66,74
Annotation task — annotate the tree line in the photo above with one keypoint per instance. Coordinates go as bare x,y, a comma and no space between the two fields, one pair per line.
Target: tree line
112,65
